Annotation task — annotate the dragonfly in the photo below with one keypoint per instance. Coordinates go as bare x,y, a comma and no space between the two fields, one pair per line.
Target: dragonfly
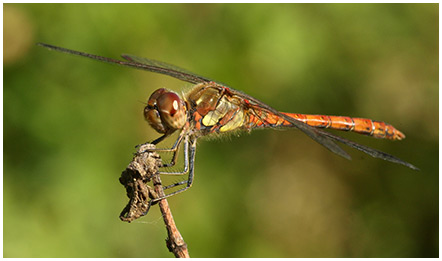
211,107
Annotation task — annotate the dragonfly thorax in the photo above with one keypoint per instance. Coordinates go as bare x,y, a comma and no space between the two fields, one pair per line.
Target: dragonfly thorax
165,111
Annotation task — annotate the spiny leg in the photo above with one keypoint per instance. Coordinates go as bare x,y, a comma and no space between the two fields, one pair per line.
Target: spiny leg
158,140
191,173
174,149
155,142
175,184
186,160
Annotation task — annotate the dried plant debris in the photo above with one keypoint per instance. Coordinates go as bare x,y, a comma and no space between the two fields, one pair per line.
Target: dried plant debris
135,177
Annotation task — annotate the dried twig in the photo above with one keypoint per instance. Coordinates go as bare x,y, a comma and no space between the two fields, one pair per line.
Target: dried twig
142,169
175,241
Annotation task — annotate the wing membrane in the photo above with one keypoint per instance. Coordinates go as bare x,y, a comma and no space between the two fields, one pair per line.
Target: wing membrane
370,151
137,63
323,137
168,69
313,133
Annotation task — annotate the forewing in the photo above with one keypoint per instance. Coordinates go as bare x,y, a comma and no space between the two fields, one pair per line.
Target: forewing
138,63
167,69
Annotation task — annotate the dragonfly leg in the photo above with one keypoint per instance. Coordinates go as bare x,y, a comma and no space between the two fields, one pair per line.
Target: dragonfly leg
186,160
155,142
174,149
189,181
175,184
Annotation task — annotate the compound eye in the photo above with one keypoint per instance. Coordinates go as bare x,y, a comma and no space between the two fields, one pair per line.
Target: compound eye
165,111
153,98
151,113
169,103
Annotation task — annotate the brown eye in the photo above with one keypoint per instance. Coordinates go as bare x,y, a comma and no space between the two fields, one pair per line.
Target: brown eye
153,98
165,111
169,103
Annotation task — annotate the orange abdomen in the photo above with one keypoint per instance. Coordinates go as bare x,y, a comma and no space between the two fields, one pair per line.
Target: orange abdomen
377,129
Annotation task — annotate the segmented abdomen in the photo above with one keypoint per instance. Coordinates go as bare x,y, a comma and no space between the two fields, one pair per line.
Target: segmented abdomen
377,129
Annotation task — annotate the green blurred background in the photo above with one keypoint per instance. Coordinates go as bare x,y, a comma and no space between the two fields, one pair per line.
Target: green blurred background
71,124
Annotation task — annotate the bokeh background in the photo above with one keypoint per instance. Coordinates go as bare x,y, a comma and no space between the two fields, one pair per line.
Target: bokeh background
71,124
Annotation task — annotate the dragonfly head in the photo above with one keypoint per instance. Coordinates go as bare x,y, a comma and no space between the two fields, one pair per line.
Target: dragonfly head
165,111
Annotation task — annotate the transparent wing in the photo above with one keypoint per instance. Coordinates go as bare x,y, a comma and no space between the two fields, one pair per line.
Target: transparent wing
322,137
168,69
137,63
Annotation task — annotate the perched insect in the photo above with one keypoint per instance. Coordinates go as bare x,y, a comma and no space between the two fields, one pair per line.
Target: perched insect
212,107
